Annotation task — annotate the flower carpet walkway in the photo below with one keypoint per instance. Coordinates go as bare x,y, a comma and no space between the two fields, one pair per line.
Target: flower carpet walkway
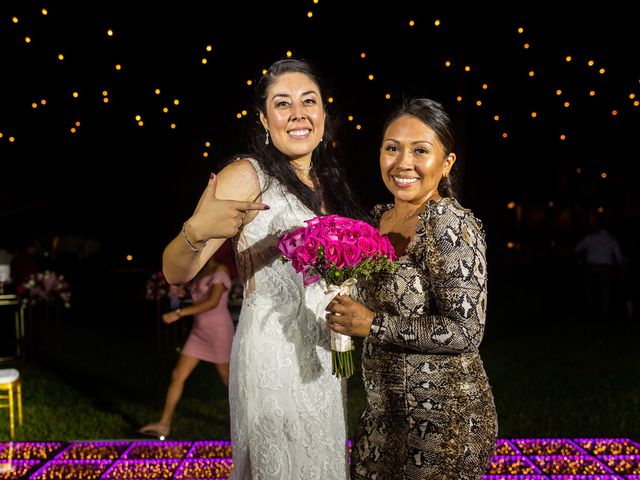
518,458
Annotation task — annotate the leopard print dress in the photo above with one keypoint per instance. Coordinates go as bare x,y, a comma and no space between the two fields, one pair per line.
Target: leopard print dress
430,412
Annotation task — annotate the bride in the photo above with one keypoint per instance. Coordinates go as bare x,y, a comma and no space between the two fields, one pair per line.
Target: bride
288,418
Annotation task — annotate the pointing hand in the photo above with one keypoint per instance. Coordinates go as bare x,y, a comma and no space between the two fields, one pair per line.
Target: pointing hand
216,218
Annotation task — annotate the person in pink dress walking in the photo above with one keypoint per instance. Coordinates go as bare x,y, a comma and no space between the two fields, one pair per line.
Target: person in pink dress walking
209,340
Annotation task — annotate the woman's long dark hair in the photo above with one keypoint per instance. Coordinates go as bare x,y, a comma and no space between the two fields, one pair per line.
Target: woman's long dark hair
333,191
433,114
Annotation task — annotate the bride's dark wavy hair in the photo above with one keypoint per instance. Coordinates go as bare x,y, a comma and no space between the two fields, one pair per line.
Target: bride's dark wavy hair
328,174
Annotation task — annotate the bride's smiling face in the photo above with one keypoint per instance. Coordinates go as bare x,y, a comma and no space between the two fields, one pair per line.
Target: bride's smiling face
294,115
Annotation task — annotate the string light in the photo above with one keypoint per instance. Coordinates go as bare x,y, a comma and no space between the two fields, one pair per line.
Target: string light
381,91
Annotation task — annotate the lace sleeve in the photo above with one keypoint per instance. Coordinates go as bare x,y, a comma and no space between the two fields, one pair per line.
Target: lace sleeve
455,266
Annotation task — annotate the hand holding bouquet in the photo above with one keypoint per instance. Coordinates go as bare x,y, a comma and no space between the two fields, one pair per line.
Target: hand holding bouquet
335,250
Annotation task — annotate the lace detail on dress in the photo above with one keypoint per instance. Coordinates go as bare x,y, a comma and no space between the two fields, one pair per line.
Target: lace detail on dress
288,418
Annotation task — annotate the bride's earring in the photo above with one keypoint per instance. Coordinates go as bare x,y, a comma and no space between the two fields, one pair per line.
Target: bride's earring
266,138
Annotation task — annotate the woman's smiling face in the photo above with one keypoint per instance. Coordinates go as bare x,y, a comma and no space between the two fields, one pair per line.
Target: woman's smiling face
413,160
294,115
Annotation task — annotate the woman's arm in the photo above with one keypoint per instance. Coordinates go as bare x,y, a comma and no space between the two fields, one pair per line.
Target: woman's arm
211,302
225,205
456,267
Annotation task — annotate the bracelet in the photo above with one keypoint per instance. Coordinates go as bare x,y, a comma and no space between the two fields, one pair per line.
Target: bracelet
190,245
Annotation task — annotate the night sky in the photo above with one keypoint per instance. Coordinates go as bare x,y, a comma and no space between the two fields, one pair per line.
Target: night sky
133,185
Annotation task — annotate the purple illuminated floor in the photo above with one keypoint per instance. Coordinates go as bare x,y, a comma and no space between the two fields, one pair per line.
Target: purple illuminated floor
530,458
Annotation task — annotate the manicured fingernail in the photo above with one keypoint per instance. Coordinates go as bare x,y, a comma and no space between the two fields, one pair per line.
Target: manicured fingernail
267,207
212,176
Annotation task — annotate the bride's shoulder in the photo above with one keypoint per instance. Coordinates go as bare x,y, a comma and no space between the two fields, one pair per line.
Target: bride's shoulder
238,180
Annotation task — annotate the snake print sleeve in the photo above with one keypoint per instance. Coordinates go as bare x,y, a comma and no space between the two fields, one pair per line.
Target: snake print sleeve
451,262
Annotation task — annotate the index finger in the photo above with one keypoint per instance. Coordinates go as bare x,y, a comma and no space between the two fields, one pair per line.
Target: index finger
247,206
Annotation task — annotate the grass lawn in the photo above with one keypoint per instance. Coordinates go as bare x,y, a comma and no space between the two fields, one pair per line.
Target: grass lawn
552,373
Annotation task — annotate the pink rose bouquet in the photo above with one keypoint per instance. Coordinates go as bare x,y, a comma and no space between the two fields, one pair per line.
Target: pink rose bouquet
335,250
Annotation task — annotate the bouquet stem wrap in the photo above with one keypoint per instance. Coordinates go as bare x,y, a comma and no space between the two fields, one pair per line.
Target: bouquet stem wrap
341,345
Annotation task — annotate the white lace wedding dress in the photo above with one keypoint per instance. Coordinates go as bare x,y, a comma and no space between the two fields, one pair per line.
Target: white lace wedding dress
288,418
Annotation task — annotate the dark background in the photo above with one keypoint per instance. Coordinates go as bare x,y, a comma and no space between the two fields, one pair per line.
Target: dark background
132,186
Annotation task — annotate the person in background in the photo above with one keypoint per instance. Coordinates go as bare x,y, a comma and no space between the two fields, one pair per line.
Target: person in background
288,418
209,340
600,254
430,412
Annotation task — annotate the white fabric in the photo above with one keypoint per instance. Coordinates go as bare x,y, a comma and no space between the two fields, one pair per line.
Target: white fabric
288,418
8,375
339,342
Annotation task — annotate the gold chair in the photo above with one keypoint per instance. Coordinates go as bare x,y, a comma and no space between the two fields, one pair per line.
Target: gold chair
11,382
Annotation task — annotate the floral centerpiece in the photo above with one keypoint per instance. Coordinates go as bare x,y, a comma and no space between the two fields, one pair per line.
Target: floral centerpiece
335,250
45,286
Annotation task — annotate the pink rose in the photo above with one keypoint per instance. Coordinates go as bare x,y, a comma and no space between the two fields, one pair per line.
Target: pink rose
367,246
343,223
315,230
351,254
387,249
357,230
308,252
297,264
333,252
289,242
313,221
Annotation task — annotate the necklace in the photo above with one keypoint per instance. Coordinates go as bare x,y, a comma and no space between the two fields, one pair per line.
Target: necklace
417,212
302,169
